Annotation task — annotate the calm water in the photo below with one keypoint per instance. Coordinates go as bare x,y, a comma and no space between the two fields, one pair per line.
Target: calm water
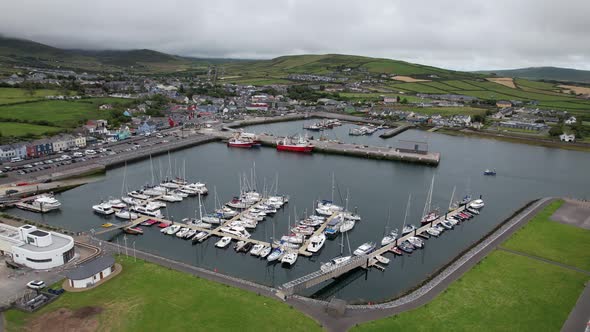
524,173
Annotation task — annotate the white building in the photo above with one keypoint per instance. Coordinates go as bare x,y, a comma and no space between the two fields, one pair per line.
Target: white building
572,120
35,248
567,138
90,273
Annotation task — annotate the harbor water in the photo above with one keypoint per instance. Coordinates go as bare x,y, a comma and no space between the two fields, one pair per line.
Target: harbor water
524,173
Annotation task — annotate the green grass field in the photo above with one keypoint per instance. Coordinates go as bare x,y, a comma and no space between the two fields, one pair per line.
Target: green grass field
148,297
25,129
17,95
59,113
506,291
551,240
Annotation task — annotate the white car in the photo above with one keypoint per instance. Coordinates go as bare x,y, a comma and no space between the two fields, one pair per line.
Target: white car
90,152
78,154
36,284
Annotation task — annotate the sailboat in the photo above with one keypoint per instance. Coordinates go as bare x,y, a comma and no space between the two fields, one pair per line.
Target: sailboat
429,215
339,260
453,205
390,236
406,229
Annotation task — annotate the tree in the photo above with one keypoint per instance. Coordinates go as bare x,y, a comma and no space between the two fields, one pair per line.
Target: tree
404,101
29,88
555,131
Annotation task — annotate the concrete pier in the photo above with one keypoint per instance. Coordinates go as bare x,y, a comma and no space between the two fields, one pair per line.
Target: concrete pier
355,150
396,131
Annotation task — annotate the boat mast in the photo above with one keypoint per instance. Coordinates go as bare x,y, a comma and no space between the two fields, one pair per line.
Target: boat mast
333,188
428,199
152,169
386,230
124,178
452,198
407,209
200,211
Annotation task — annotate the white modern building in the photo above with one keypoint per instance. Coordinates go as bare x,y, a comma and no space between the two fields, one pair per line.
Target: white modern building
35,248
90,273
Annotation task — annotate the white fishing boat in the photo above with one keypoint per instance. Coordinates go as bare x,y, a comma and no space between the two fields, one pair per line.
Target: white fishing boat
223,242
103,208
335,263
364,249
289,258
126,214
316,243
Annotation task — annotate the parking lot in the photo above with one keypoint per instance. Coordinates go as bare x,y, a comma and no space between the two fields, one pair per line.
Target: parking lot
100,152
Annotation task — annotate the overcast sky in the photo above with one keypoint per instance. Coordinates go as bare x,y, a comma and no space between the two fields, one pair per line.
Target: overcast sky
463,34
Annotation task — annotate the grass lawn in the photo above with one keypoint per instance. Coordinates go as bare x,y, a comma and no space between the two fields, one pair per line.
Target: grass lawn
506,291
21,129
60,113
551,240
17,95
502,293
148,297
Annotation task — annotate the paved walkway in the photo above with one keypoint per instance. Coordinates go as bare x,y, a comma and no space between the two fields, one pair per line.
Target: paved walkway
579,318
545,260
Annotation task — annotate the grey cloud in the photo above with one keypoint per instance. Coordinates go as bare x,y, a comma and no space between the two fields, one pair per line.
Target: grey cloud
464,35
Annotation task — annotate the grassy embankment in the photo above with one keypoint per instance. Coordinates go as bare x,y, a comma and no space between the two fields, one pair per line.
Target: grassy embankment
506,291
148,297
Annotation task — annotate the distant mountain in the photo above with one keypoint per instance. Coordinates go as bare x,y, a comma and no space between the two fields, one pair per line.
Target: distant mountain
25,52
545,73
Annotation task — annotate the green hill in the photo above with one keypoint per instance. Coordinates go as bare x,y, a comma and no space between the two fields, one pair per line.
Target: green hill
25,52
546,73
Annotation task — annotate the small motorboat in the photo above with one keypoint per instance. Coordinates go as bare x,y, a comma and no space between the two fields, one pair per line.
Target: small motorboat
163,225
432,231
149,222
316,243
489,172
382,260
446,224
256,249
199,236
396,251
173,229
290,258
189,234
265,251
416,242
477,204
223,242
133,230
275,255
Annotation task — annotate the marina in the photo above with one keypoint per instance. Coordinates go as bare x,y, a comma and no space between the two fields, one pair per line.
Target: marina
388,184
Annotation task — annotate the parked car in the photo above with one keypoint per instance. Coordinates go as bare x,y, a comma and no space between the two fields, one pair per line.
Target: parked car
36,284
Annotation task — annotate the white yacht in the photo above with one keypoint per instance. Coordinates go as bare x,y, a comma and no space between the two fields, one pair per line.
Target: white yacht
103,208
170,197
265,251
316,242
126,214
138,195
335,262
256,249
365,248
416,242
149,210
182,232
172,229
236,230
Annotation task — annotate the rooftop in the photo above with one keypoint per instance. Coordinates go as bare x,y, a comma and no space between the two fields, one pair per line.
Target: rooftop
91,268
